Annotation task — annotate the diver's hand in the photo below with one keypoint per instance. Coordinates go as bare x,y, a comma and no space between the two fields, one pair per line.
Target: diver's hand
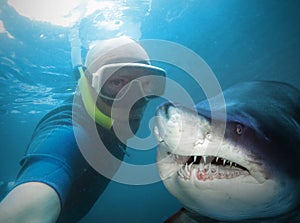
31,202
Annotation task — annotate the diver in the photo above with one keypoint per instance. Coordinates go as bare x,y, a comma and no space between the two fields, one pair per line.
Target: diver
56,183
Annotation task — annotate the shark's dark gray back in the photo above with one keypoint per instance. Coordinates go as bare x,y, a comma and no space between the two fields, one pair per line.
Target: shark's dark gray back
273,110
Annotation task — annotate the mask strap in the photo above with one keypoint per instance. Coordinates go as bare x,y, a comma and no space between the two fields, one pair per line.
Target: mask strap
89,104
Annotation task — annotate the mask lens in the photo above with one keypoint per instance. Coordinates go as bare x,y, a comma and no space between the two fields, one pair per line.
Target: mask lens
115,86
114,80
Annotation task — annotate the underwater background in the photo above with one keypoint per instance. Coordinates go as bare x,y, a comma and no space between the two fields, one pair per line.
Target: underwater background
240,40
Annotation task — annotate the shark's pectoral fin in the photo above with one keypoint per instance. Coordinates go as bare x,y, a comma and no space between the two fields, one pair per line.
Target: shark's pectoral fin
184,216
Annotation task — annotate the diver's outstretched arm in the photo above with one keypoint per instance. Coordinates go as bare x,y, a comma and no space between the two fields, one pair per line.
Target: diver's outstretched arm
32,202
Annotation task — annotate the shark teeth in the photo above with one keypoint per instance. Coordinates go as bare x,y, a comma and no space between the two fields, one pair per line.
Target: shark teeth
208,168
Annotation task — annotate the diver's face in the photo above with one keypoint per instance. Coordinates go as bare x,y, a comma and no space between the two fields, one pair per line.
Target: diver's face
124,90
124,96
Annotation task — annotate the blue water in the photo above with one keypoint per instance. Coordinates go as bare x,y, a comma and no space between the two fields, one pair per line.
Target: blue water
239,40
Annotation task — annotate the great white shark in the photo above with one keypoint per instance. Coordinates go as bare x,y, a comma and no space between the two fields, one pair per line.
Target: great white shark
245,168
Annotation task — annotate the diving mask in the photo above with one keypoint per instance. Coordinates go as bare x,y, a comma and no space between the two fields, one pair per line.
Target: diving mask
114,81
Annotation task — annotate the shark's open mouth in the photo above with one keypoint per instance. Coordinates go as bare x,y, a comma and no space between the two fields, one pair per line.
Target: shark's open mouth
207,167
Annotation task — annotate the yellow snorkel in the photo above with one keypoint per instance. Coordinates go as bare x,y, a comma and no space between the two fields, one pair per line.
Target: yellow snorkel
84,86
89,103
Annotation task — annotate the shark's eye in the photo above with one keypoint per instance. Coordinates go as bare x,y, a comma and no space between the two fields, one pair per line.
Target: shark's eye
239,129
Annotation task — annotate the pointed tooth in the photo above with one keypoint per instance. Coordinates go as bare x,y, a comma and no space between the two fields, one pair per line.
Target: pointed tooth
180,173
190,166
230,164
195,158
201,166
184,174
186,168
204,159
217,159
224,162
209,170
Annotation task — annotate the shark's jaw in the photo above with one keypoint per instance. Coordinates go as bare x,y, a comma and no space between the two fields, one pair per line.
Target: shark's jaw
207,167
214,176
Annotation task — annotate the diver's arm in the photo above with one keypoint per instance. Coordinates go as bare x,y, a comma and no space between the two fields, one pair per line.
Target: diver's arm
31,202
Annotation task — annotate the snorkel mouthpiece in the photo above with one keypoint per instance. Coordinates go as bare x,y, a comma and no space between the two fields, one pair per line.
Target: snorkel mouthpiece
90,104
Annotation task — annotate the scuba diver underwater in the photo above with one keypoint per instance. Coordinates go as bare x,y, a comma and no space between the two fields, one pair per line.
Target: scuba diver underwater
57,182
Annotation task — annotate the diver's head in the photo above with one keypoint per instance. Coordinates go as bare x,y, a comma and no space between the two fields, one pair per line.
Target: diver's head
120,73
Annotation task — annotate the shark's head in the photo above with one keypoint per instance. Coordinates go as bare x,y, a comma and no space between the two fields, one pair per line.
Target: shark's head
243,167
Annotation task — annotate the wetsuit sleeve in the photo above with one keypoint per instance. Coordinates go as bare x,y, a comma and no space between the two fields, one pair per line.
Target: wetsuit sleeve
53,156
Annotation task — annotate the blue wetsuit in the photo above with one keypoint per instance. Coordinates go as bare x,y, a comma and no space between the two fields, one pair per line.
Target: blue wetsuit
53,157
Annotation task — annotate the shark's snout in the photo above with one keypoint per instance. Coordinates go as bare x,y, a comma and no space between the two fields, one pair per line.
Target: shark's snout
166,108
181,128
